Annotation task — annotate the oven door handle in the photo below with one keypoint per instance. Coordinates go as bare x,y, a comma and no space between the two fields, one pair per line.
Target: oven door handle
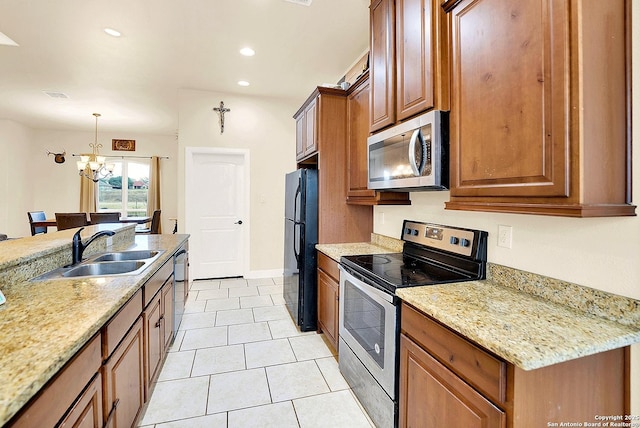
371,289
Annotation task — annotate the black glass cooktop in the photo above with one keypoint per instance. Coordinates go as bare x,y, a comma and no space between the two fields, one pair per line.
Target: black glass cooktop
398,270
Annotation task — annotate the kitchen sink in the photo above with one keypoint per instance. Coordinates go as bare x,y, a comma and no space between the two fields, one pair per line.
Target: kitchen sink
117,263
102,269
126,255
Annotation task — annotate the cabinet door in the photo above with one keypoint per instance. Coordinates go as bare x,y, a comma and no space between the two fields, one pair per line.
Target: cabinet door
357,134
154,341
328,307
167,312
310,131
382,64
87,412
414,57
432,396
124,380
510,119
300,135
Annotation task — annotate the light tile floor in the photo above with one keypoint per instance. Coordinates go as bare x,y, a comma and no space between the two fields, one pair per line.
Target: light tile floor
238,360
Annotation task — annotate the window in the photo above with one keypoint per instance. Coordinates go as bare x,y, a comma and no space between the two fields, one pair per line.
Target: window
126,190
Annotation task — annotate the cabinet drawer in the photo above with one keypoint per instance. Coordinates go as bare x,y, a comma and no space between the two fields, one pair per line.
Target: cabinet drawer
155,283
470,362
329,266
120,324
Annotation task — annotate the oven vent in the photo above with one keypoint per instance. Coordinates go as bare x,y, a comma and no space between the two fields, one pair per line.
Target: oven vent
56,94
301,2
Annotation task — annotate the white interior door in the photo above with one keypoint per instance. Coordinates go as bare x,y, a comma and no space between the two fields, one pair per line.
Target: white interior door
216,206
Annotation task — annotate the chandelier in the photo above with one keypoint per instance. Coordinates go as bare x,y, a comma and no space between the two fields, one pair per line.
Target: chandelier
92,165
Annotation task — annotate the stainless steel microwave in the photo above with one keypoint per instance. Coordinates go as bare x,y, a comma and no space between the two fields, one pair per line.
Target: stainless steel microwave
411,156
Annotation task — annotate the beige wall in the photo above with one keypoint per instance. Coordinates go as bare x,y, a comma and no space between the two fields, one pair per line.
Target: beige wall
265,127
599,253
15,176
45,185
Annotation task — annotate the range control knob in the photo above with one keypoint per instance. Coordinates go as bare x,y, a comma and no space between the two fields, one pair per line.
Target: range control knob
464,242
415,232
454,240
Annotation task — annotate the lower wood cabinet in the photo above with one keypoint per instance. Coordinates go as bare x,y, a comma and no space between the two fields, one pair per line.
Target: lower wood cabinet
328,298
124,380
446,380
108,382
158,331
68,391
434,396
87,412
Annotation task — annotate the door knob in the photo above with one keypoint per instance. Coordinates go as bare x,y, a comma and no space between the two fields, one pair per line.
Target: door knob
238,222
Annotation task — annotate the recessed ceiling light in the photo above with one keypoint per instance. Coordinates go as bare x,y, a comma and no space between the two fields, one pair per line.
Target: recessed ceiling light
301,2
247,52
112,32
243,83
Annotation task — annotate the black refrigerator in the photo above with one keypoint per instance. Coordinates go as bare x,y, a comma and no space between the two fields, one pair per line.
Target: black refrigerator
300,239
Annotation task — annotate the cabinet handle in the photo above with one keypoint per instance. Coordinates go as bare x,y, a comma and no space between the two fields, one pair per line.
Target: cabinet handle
111,413
159,320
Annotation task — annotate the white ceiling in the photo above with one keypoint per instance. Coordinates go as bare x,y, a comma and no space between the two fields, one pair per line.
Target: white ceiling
166,45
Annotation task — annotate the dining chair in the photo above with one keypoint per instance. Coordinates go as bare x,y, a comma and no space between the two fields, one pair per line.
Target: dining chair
71,220
110,217
37,216
155,225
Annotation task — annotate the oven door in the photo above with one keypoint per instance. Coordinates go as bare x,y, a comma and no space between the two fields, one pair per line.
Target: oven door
368,326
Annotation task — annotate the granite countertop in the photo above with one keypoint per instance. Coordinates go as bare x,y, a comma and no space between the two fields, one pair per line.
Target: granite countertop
379,244
526,330
526,319
44,323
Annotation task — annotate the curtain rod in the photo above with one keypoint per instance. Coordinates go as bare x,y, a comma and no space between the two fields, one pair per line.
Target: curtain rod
123,156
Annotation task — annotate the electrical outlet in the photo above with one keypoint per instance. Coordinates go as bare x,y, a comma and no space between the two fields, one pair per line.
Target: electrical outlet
504,236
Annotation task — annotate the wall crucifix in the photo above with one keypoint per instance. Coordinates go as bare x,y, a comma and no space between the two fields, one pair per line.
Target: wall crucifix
221,111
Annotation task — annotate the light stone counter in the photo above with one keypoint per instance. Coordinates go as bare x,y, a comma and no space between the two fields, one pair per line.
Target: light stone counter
45,323
528,320
379,244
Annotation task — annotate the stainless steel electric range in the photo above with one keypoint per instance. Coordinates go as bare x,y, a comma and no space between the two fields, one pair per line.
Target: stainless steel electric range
369,307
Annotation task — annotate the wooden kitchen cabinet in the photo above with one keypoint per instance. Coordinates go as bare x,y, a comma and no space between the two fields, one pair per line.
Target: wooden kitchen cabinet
70,394
357,134
446,380
124,380
328,298
87,412
306,133
123,367
158,322
409,61
540,107
337,221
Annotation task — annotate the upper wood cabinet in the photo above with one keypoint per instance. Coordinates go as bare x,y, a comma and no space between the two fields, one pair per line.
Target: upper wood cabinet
338,222
357,134
306,131
539,109
409,60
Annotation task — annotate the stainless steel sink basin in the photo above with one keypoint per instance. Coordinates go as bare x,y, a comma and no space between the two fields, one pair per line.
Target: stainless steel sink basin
106,268
113,263
127,255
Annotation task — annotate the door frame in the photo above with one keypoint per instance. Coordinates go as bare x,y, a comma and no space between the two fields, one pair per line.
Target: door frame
191,193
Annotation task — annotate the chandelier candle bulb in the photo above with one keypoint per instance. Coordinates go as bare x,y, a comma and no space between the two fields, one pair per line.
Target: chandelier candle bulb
97,163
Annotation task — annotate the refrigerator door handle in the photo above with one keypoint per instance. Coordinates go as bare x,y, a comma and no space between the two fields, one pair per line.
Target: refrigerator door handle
296,224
